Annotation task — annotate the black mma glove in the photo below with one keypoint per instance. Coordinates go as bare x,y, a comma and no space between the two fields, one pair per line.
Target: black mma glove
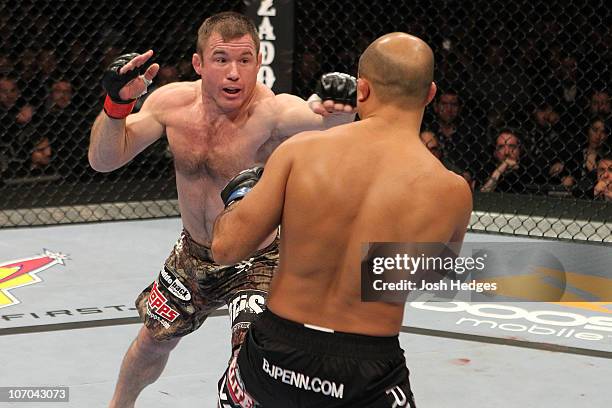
339,87
113,81
240,185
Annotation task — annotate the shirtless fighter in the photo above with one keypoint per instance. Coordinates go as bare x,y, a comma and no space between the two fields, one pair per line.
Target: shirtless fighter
215,126
318,344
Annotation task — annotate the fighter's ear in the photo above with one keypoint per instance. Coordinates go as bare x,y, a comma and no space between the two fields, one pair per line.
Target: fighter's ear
431,94
196,61
363,89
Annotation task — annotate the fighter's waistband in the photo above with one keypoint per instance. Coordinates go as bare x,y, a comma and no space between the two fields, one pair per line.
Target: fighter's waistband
322,342
204,252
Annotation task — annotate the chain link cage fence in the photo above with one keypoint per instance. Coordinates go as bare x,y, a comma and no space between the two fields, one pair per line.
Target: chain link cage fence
522,110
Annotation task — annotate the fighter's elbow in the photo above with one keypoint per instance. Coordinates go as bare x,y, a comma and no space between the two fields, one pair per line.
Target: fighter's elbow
222,251
97,165
93,162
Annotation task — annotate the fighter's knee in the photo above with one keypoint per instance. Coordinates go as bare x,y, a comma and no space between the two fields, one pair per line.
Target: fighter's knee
147,343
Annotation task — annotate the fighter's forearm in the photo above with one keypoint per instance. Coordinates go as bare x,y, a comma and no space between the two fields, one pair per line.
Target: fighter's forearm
107,144
327,120
226,247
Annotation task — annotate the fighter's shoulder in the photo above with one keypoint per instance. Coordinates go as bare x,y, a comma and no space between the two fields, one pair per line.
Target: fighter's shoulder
304,140
263,94
175,94
301,145
276,102
263,102
451,189
285,98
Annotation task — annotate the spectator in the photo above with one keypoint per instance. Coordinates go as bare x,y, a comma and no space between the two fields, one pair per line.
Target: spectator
599,104
603,187
27,66
430,140
59,111
166,74
60,123
545,147
583,166
15,115
569,87
78,55
508,171
598,134
10,101
564,82
6,64
40,156
109,54
36,161
48,63
60,97
31,80
37,70
185,71
455,134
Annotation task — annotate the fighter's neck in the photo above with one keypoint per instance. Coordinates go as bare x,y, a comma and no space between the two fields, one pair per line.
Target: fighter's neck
395,118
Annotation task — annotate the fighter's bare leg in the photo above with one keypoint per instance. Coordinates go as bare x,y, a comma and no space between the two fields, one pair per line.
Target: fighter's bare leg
142,365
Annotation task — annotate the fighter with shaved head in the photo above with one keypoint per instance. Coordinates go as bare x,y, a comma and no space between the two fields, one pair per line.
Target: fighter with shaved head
318,344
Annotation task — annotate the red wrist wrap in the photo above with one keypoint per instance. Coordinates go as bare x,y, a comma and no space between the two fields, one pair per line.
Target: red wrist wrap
118,110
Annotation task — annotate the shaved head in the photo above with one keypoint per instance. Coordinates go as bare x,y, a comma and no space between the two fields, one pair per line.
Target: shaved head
400,68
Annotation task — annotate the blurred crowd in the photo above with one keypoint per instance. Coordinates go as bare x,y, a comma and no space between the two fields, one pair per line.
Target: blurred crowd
46,114
523,102
523,105
550,151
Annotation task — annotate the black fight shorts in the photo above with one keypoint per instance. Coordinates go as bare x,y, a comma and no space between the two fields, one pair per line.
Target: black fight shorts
285,364
191,286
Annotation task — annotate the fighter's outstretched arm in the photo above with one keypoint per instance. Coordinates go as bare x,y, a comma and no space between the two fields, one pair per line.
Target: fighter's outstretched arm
294,115
117,136
334,104
249,218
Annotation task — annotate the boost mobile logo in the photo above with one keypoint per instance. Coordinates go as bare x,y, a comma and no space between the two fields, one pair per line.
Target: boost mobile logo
23,272
541,322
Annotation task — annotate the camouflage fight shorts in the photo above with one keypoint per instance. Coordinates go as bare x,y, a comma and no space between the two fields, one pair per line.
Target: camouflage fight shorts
191,286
